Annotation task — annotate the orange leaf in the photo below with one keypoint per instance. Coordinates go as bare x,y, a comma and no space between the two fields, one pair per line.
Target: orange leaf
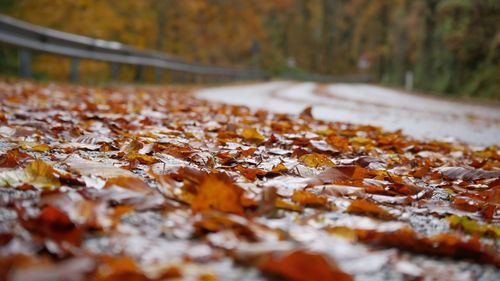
218,192
338,142
280,168
41,147
55,224
131,183
12,158
250,173
301,265
248,152
307,198
282,204
142,158
365,207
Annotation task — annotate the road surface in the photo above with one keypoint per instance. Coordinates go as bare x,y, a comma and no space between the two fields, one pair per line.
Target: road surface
418,116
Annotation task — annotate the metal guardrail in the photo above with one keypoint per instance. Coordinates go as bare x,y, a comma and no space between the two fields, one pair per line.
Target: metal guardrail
32,37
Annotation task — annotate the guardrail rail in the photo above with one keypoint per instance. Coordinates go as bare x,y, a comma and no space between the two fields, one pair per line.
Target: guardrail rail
29,37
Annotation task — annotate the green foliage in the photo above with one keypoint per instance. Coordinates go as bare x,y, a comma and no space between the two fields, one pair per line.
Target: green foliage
8,61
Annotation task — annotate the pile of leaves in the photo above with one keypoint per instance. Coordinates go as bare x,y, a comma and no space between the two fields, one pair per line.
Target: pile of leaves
130,183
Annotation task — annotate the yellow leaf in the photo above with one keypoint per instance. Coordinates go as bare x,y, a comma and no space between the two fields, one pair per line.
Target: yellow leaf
361,140
251,134
142,158
282,204
40,174
41,147
316,160
280,168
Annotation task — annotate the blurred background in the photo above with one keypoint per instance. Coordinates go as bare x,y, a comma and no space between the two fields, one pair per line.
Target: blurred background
449,47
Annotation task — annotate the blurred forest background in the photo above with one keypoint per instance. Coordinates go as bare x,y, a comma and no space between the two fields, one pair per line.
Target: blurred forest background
451,46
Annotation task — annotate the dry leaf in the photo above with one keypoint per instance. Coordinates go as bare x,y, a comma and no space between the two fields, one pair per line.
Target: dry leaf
316,160
251,134
218,192
301,265
307,198
365,207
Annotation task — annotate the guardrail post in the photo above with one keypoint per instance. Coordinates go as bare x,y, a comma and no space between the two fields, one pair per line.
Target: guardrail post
181,77
115,71
158,74
138,73
173,73
75,66
25,63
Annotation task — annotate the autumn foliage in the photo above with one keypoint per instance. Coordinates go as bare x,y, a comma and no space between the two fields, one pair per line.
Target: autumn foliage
150,183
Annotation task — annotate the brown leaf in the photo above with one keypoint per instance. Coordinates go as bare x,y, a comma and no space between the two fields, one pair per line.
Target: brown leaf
306,113
12,158
442,244
54,224
464,173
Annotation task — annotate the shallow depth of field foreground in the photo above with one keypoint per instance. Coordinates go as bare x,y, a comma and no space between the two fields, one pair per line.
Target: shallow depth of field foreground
152,183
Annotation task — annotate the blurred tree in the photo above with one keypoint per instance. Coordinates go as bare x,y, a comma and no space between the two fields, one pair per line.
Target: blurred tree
451,46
